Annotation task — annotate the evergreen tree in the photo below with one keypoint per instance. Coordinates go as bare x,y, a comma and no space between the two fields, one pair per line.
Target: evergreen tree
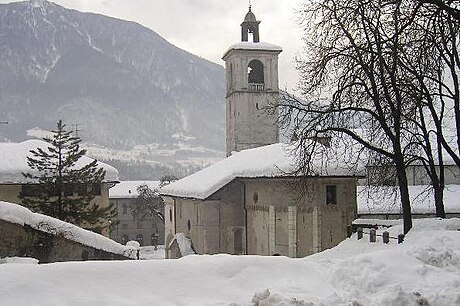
61,185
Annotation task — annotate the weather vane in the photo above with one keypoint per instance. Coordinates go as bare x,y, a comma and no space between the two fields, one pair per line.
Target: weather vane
249,4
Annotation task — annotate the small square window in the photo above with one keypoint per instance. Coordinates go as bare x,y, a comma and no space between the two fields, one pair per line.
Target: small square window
331,194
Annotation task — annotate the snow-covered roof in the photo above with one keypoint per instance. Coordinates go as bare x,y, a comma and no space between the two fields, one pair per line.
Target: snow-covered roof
274,160
13,161
18,214
248,45
128,189
386,200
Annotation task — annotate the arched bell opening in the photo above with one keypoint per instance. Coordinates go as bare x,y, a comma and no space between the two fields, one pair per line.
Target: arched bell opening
256,75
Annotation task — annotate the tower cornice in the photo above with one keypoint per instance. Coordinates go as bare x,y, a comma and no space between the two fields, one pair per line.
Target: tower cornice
251,46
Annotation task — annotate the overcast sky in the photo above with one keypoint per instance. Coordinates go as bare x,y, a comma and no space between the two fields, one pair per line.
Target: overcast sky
208,27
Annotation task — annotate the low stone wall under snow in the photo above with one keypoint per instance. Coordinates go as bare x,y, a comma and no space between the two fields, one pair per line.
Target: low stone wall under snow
25,241
27,234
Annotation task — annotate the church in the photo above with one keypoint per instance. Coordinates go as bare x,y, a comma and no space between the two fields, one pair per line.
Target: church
247,203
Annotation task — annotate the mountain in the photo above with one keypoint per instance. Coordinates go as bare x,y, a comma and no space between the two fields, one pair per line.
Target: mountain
121,83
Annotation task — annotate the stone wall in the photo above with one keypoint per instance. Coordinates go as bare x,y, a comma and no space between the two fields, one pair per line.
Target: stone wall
264,216
279,221
416,175
25,241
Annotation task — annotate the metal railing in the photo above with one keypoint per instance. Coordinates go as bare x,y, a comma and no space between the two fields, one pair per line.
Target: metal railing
256,86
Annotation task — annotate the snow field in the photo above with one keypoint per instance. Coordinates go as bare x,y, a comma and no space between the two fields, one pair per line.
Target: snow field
424,270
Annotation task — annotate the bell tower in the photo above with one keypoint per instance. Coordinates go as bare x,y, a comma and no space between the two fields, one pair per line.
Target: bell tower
252,90
250,25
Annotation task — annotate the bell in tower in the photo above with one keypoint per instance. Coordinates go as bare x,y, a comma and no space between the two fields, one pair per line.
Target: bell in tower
250,25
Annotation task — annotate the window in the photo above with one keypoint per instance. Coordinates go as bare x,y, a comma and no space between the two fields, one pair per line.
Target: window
170,215
189,225
331,194
125,208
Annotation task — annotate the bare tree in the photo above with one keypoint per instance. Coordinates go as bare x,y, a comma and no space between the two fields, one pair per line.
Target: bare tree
386,73
434,65
149,204
353,51
451,7
167,179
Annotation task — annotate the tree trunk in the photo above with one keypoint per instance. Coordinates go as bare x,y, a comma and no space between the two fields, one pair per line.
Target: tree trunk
438,202
404,191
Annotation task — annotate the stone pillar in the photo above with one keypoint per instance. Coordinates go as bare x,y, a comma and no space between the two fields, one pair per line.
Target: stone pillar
372,235
316,229
271,230
292,231
360,233
386,237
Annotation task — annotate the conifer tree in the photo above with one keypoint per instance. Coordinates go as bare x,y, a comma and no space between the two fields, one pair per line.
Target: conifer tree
61,185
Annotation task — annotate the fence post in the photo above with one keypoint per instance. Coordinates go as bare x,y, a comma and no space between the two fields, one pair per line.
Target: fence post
360,233
386,237
400,238
372,235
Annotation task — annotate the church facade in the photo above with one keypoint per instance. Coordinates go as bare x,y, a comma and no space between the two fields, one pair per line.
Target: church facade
248,203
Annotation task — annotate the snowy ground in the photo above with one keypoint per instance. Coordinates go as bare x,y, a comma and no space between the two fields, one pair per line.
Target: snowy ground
150,252
424,270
